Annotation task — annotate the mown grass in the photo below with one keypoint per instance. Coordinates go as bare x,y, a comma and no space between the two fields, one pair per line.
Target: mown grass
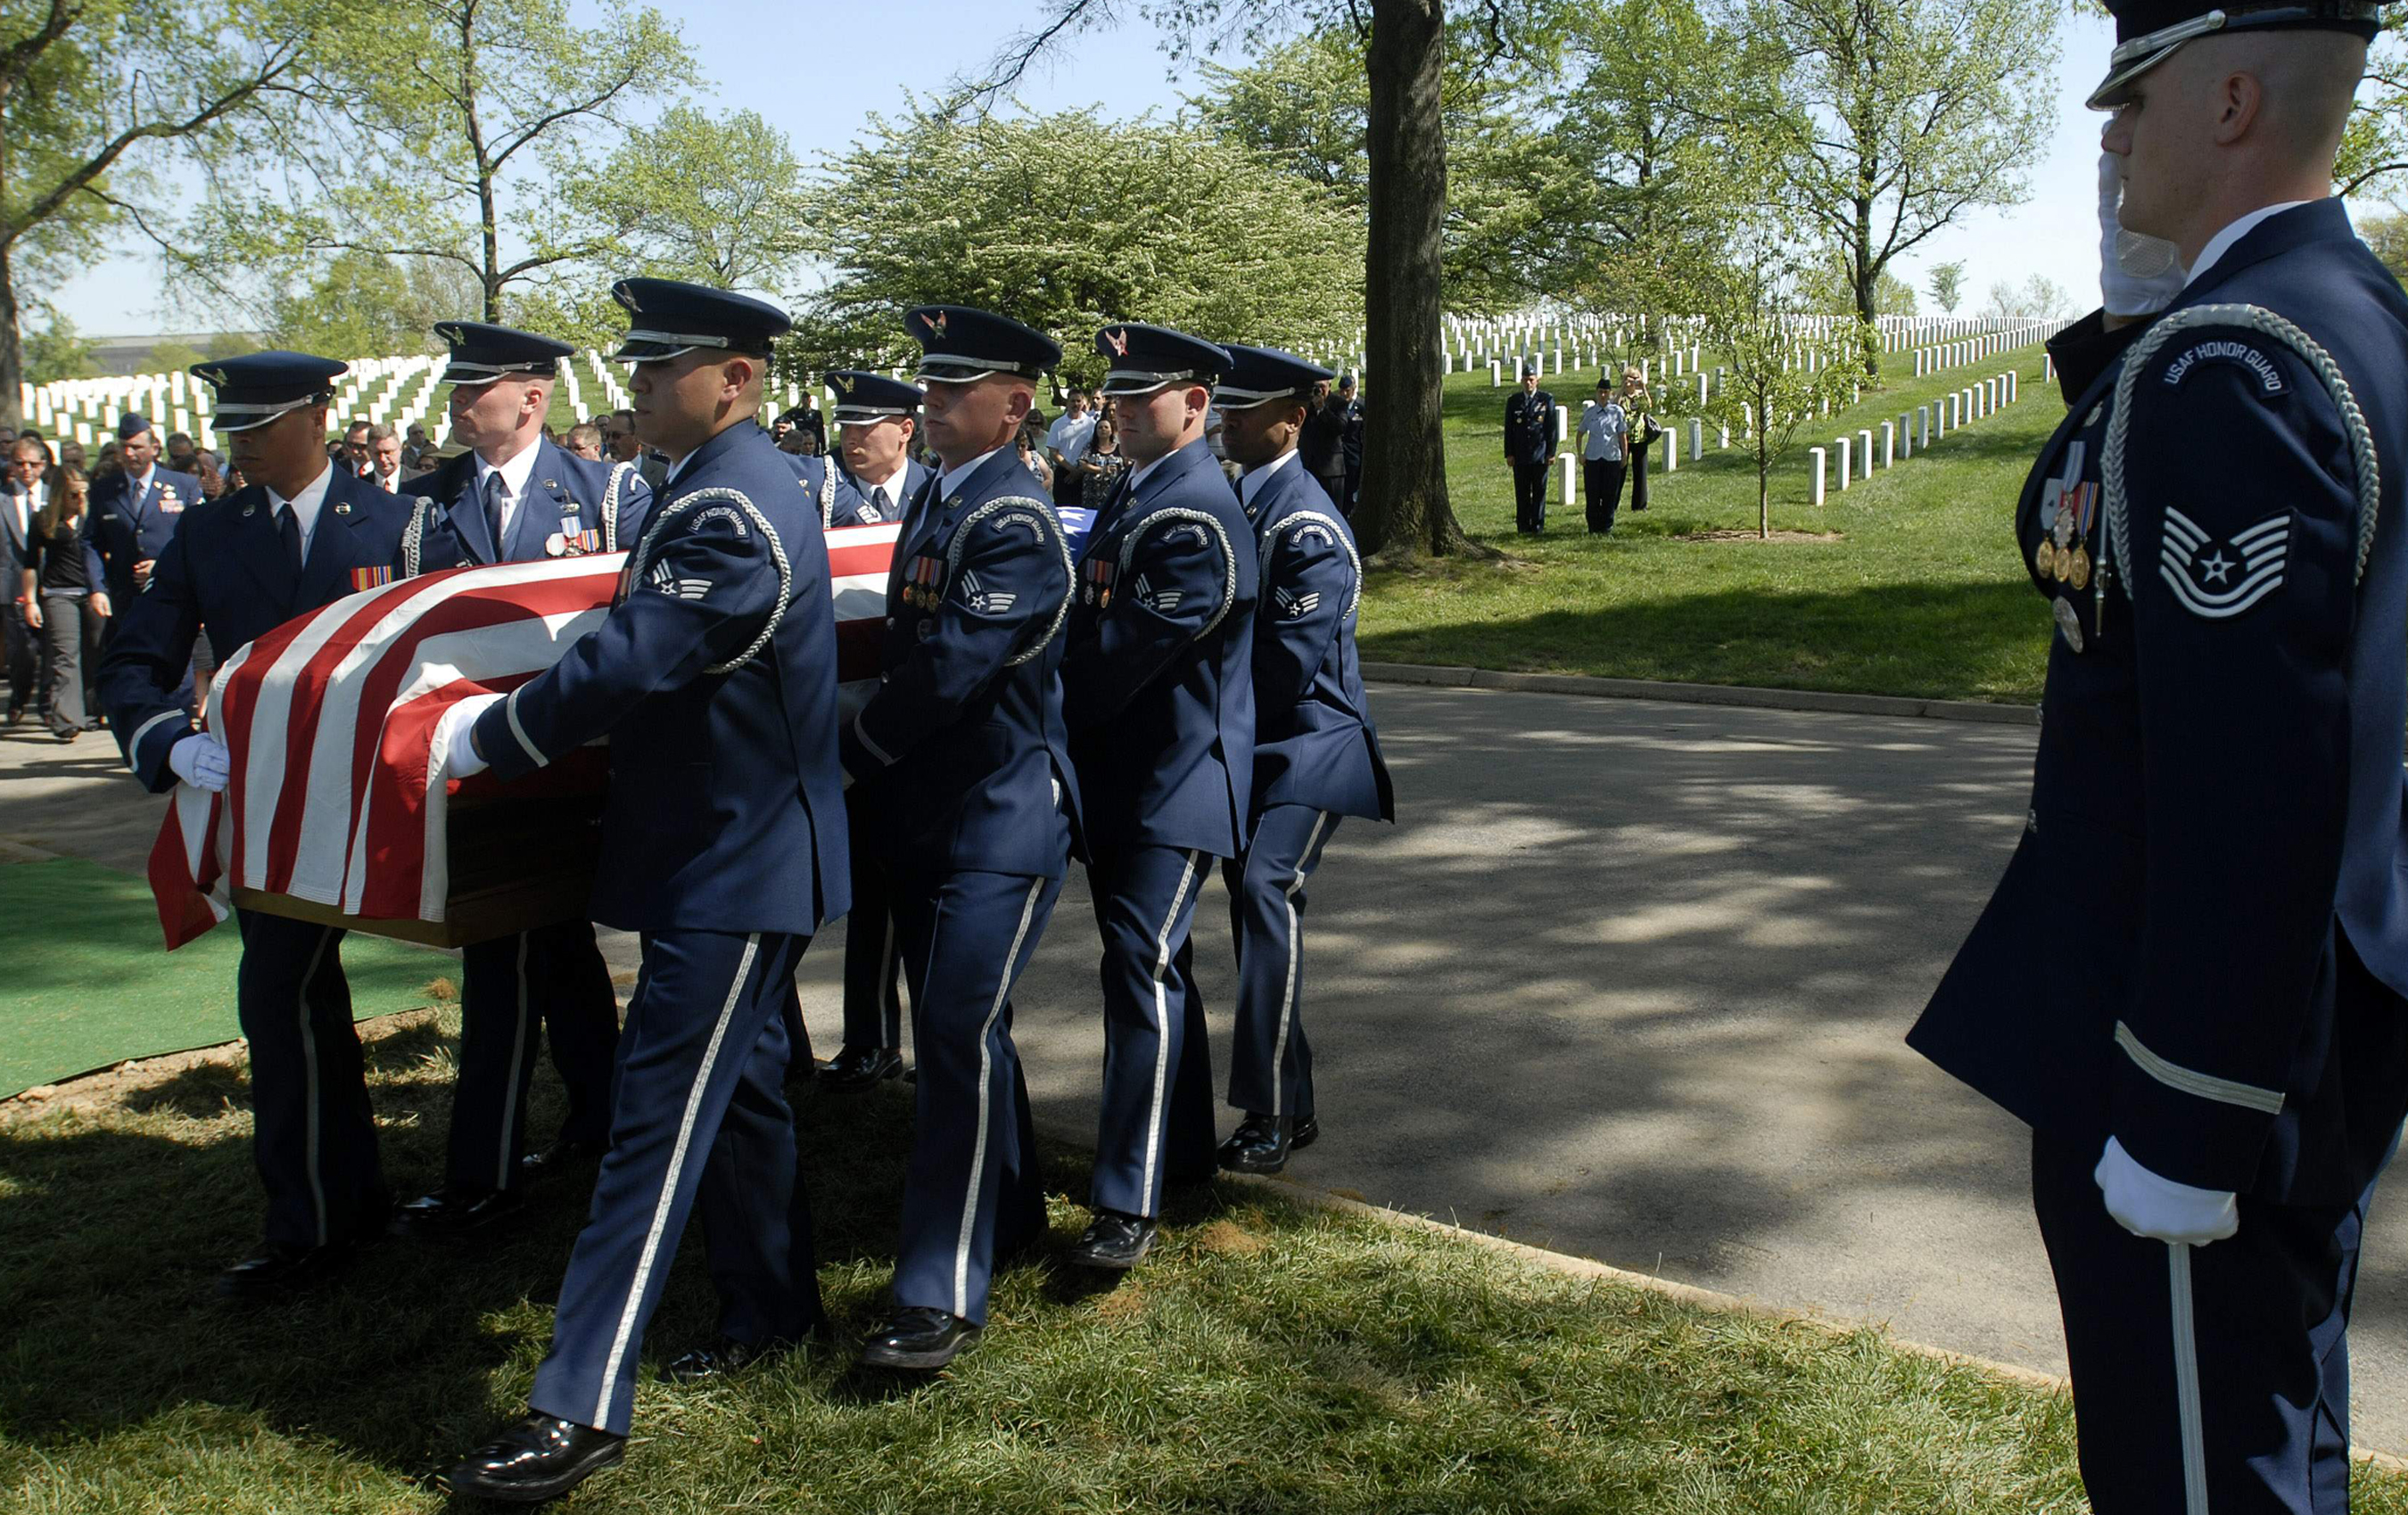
1921,594
1270,1358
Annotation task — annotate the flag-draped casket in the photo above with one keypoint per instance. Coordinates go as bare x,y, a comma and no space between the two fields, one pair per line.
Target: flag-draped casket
336,724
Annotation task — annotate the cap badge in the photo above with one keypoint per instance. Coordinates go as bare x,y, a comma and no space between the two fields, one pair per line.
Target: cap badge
1118,342
935,322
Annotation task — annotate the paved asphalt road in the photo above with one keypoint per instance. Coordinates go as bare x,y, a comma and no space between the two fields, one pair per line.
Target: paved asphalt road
1628,980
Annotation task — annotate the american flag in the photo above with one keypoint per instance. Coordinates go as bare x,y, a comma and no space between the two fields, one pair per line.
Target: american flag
333,721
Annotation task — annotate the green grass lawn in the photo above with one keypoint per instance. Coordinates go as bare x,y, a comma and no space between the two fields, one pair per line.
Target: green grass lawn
1919,593
1269,1359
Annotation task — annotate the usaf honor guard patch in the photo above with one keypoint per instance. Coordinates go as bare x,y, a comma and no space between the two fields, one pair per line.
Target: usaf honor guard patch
2219,579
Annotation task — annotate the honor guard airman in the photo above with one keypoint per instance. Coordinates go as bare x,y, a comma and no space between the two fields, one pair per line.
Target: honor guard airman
723,844
300,535
963,764
2190,980
876,420
1158,689
1316,753
515,497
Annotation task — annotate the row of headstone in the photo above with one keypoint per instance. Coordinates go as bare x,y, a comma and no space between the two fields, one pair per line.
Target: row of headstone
1910,433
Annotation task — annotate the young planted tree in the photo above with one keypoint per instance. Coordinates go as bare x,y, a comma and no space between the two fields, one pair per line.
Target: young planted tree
1767,395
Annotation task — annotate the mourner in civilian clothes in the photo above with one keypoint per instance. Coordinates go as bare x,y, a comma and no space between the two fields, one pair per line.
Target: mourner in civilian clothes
29,464
1640,424
964,764
136,508
2201,1007
1158,691
1322,449
585,442
1350,441
1065,443
513,497
358,453
1316,753
723,844
303,533
1604,441
384,458
65,604
1531,448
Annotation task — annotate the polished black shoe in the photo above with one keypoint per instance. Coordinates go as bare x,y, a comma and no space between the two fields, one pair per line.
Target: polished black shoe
447,1212
1259,1144
564,1153
541,1458
722,1358
276,1272
1307,1132
1114,1241
858,1068
919,1339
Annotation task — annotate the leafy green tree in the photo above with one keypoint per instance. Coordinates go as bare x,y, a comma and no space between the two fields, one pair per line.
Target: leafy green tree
1066,223
171,357
1947,286
53,351
365,306
1825,285
1766,394
715,199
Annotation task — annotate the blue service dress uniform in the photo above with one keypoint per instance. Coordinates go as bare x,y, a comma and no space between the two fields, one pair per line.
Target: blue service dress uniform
963,763
723,844
551,980
2200,946
126,526
1531,447
225,572
1317,759
1158,691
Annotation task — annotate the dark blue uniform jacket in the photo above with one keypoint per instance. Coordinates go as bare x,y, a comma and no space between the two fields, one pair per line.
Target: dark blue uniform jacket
125,529
827,490
565,501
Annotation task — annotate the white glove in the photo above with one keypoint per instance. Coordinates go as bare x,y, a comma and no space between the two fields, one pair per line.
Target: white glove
2138,275
200,760
2161,1210
460,759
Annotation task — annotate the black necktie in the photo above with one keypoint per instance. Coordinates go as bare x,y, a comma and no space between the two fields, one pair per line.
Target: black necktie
494,487
288,525
878,498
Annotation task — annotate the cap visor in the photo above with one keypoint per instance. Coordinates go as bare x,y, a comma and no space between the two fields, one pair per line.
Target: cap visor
648,351
1134,385
2109,96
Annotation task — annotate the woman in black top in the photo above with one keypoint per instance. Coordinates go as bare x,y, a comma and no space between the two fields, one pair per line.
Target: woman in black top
1101,466
66,602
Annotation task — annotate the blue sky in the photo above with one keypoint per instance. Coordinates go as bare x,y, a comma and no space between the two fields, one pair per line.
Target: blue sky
819,82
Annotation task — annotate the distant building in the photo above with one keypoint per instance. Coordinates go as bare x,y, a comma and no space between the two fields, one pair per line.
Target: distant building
132,354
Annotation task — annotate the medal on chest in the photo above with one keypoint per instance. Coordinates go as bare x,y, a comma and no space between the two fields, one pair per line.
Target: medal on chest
571,544
920,583
1095,578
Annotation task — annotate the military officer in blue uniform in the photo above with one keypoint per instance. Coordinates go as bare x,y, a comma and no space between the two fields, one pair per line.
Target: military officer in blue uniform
1530,448
723,844
513,496
300,535
2190,980
1158,689
876,420
1316,753
134,512
963,765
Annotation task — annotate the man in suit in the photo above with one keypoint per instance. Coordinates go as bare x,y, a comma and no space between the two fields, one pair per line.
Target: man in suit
877,419
723,843
1159,691
514,497
1349,443
134,512
965,765
29,462
384,459
1316,753
1531,447
1320,446
299,535
358,452
2192,982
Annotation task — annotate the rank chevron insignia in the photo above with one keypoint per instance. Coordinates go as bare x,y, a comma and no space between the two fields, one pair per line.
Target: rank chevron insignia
985,601
1296,607
669,583
2221,579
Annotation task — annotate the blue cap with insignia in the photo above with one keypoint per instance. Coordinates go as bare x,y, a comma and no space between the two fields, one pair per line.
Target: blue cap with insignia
258,387
958,344
667,319
483,352
131,425
2147,32
1147,358
863,396
1258,375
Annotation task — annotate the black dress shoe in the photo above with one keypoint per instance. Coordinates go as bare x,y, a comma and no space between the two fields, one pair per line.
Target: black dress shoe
1307,1132
920,1339
276,1272
541,1458
564,1153
1115,1241
858,1068
1259,1144
447,1212
721,1358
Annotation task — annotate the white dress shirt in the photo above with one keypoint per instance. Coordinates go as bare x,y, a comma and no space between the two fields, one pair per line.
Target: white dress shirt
515,474
2221,243
304,505
1251,482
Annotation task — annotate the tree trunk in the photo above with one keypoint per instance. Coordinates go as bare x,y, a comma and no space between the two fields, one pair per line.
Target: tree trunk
1404,503
1868,282
12,347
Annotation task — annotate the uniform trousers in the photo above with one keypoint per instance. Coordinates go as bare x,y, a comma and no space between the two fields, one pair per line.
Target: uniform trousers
1270,1062
1529,495
697,1110
2207,1378
548,984
974,1186
312,1135
873,1000
1157,1090
1601,487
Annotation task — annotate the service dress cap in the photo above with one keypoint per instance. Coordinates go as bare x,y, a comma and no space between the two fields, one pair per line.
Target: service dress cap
131,425
2148,31
958,344
256,388
483,352
862,396
1147,358
667,318
1258,375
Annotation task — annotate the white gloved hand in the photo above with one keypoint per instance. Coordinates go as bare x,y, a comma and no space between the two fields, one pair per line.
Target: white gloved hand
2138,275
2161,1210
200,760
460,759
